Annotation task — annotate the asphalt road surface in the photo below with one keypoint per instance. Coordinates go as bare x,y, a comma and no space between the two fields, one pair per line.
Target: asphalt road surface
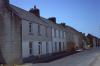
86,58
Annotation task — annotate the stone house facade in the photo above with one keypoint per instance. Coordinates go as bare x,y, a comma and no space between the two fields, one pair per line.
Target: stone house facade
10,34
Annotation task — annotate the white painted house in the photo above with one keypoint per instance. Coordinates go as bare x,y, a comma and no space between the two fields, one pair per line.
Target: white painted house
36,36
58,36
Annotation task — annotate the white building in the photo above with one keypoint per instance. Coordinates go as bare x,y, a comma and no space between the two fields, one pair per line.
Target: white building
58,36
36,36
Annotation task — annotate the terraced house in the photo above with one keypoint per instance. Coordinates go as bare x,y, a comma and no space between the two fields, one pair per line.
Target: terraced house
93,41
25,34
58,36
74,38
36,35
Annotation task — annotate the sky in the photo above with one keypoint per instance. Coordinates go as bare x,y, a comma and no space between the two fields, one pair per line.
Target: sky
83,15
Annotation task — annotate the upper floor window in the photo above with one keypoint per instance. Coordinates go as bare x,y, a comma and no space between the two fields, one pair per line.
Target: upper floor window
38,29
52,32
46,29
59,34
55,32
64,35
30,27
63,45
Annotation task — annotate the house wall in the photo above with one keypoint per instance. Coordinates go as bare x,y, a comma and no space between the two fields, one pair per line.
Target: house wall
94,42
76,40
10,37
39,33
73,39
58,39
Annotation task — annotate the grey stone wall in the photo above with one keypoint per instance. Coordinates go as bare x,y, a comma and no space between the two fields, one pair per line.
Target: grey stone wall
2,61
10,38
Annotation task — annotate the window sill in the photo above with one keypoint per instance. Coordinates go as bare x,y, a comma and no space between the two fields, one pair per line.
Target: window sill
39,34
31,33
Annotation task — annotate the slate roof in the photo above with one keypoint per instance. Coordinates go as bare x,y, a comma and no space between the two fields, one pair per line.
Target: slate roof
23,14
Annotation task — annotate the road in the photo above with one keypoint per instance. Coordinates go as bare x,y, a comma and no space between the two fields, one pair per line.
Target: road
86,58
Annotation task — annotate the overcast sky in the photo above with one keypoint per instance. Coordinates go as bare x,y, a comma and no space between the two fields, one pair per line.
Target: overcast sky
83,15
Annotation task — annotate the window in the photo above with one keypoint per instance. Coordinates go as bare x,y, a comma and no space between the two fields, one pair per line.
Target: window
59,46
59,34
55,46
30,48
63,46
40,48
47,48
46,29
55,32
63,34
38,29
30,27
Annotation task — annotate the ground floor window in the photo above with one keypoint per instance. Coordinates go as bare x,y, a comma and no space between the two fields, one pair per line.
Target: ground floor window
40,48
30,48
47,48
59,46
63,46
55,46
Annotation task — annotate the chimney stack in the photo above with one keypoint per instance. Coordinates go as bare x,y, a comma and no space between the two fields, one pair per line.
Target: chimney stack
63,24
53,19
35,11
7,1
3,5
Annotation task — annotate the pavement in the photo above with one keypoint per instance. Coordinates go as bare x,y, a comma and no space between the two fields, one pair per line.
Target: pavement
96,62
86,58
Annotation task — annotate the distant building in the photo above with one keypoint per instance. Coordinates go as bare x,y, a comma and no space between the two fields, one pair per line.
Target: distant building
92,41
85,43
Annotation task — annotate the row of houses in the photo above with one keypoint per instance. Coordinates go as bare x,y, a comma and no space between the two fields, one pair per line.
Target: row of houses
25,33
93,41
